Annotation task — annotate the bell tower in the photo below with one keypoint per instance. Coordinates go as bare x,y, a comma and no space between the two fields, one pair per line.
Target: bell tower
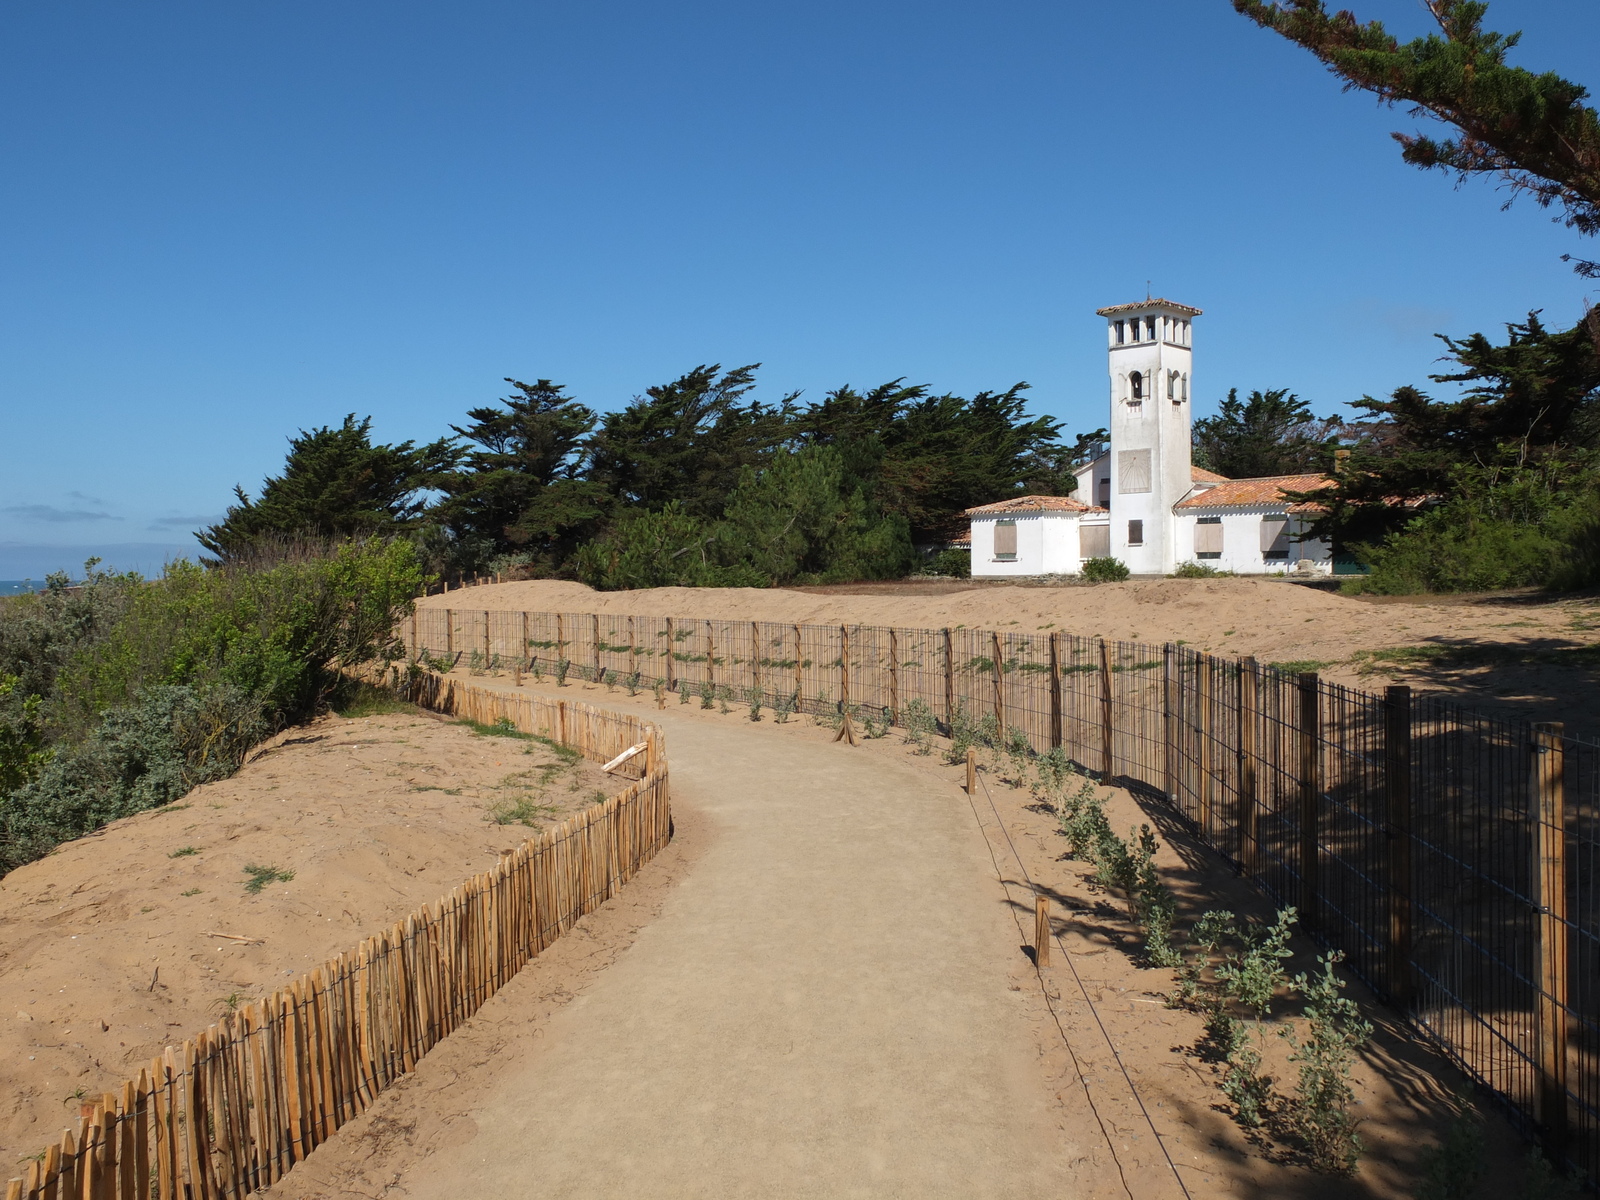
1151,353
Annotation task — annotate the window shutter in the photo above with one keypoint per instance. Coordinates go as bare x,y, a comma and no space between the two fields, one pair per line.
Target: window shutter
1094,541
1275,534
1133,470
1005,539
1208,535
1135,533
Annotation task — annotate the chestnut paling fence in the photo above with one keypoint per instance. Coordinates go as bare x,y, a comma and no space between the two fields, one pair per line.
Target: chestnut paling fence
1454,858
230,1111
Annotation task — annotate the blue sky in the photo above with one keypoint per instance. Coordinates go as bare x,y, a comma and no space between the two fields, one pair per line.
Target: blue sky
223,223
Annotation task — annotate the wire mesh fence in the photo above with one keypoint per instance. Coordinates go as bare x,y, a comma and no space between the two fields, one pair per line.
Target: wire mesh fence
1452,857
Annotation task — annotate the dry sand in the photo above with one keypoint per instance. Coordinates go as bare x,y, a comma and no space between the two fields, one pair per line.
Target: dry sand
1522,656
110,947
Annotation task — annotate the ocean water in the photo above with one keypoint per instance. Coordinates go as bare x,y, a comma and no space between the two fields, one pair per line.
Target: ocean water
16,587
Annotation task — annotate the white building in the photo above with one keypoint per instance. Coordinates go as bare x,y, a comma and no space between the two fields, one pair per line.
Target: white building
1143,501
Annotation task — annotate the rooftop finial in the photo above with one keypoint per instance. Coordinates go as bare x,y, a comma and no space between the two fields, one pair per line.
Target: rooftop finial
1147,289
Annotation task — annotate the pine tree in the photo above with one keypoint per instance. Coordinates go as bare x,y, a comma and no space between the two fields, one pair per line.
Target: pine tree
1531,131
1269,433
521,489
336,483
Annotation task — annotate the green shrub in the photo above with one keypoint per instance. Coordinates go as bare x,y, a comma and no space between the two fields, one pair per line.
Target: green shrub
138,757
1104,570
22,750
1335,1033
956,564
1197,570
920,725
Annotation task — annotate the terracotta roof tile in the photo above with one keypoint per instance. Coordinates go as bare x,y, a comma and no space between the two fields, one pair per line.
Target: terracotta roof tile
1021,504
1121,308
1244,493
1201,475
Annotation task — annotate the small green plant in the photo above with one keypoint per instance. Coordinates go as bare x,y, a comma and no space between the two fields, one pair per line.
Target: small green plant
521,811
1019,752
184,851
1542,1181
231,1003
190,892
683,691
537,667
875,723
784,708
475,663
1197,570
260,877
753,700
562,667
659,691
1320,1112
920,725
963,734
708,694
1453,1168
724,694
1053,769
1104,569
609,678
633,684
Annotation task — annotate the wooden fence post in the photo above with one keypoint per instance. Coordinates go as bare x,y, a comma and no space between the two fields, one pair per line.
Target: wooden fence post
486,655
561,645
1248,817
1041,930
844,669
894,677
1170,696
1205,701
972,769
633,647
949,681
1547,805
413,655
999,685
755,660
1397,831
1055,691
1310,773
449,632
711,657
671,646
522,651
1107,729
594,633
799,670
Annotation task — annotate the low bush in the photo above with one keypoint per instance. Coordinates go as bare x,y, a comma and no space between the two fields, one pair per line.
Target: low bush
956,564
1197,570
124,694
1104,570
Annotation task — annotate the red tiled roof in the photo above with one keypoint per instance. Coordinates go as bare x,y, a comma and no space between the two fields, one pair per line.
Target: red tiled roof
1020,504
964,538
1245,493
1201,475
1122,308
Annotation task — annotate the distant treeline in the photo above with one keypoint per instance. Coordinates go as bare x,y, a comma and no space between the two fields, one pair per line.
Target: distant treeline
696,481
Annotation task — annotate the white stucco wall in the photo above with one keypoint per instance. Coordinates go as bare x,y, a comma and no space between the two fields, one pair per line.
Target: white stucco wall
1241,543
1047,544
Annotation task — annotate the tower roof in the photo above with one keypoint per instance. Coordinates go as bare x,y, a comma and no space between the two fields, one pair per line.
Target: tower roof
1138,305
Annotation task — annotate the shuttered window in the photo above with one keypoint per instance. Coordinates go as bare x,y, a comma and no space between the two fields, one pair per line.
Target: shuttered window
1275,535
1005,541
1208,537
1135,533
1133,470
1094,541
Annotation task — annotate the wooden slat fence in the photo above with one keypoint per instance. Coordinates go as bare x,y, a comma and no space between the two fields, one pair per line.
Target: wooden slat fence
230,1111
1453,857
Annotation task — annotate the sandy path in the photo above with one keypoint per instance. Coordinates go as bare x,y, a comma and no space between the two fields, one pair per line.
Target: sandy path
825,1006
